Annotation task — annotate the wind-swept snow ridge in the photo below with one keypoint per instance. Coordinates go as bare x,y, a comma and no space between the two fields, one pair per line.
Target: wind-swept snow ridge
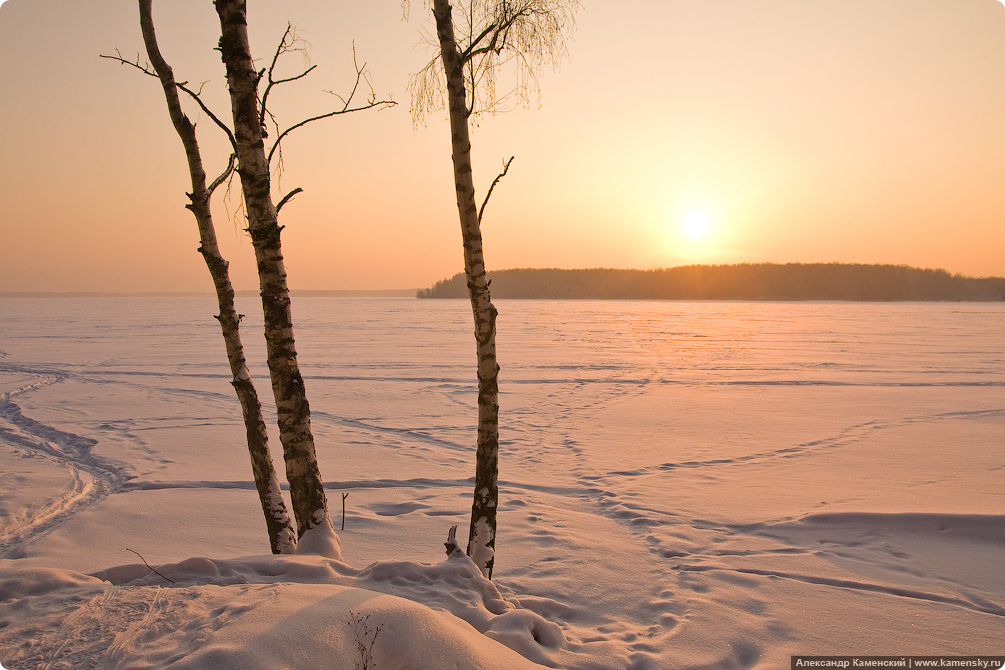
265,612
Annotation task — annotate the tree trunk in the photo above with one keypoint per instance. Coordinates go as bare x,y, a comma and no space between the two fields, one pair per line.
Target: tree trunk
482,529
282,537
310,506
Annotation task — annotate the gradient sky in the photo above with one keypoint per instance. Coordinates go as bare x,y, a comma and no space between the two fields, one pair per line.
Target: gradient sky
778,130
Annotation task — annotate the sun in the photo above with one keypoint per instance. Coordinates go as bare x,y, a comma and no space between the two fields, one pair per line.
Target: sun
696,225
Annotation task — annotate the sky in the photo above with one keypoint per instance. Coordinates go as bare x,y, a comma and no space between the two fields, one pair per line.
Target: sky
675,132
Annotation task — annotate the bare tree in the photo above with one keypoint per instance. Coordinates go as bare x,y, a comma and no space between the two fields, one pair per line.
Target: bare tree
282,536
249,110
488,36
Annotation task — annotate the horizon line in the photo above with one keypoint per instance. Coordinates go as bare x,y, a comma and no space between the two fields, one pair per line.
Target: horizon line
412,292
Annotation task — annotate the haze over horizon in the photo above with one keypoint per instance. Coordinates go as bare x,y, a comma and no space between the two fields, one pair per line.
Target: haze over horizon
689,131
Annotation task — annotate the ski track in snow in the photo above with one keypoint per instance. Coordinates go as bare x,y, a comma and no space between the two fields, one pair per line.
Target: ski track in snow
849,435
679,549
606,491
93,478
975,604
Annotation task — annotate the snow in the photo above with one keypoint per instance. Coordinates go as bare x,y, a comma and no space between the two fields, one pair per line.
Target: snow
320,539
255,613
683,485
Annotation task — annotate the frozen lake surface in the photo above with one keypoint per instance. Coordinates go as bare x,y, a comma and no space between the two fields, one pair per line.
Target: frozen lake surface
682,484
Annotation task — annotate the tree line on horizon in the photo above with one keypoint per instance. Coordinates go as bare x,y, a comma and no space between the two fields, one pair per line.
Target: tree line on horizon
745,281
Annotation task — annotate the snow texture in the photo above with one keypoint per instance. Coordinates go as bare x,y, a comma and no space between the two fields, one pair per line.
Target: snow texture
683,485
320,539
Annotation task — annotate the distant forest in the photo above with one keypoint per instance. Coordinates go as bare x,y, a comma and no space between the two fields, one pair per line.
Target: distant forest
759,281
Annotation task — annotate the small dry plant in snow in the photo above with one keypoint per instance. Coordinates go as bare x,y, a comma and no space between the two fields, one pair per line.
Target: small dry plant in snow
364,635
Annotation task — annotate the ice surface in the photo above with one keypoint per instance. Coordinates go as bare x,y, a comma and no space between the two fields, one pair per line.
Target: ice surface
683,485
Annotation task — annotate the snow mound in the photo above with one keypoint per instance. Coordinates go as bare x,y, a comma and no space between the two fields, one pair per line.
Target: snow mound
322,539
268,612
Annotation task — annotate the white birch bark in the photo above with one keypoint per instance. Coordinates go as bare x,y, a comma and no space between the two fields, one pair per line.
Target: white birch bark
310,506
482,527
282,536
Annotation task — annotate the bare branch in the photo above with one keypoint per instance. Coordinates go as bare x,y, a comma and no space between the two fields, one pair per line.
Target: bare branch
468,53
152,569
481,210
268,89
287,198
360,73
182,86
295,77
220,124
225,175
372,102
145,69
281,49
346,110
286,45
499,32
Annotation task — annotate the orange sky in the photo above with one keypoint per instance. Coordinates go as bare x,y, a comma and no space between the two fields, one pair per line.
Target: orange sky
792,130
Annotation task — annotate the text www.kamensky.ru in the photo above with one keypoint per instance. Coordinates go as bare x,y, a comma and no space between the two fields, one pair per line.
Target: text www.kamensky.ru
981,662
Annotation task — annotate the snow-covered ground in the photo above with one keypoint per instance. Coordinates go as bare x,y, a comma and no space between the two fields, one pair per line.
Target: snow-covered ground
684,485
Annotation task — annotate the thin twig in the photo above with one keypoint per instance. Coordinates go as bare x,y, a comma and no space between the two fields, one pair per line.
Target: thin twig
286,45
182,86
495,181
220,124
152,569
268,88
498,31
289,130
372,102
145,69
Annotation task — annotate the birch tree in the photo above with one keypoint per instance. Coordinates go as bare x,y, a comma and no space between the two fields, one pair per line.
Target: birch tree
485,38
282,536
310,506
250,112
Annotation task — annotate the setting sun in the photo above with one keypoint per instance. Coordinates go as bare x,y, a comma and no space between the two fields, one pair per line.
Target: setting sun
696,225
699,233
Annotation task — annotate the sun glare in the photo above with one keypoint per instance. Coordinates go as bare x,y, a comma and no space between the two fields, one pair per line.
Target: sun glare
696,225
